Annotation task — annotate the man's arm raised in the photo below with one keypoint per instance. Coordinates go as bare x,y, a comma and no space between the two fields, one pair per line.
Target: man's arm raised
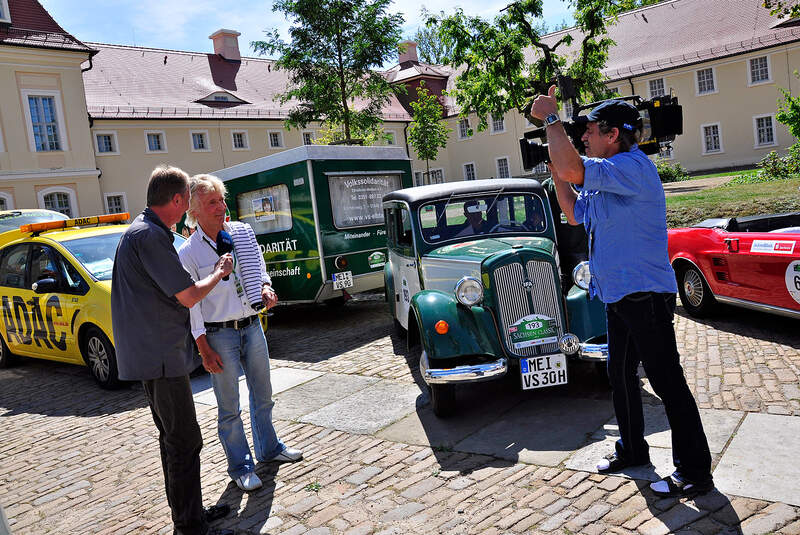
196,292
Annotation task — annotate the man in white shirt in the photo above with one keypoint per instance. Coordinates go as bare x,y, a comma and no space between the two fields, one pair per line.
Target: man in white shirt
227,331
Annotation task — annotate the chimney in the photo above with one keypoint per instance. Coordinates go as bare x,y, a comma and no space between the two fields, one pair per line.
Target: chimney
226,44
410,54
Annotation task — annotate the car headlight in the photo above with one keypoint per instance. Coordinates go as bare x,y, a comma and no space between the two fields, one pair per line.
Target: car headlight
581,275
469,291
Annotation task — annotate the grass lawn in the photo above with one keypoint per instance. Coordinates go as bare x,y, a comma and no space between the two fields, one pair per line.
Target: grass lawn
734,200
726,173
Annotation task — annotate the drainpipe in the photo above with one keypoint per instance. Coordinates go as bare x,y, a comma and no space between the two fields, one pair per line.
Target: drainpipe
630,81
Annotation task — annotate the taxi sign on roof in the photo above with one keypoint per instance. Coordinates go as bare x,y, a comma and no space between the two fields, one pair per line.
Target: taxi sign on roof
75,222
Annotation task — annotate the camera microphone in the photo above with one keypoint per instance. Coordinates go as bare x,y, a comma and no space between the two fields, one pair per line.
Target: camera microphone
224,246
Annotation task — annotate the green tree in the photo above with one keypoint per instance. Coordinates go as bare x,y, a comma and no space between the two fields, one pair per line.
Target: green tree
783,8
333,133
497,74
789,111
430,46
335,47
428,131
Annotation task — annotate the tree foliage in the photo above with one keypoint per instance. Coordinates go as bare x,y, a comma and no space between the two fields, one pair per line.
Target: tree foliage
783,8
789,111
430,46
428,132
335,48
333,133
498,76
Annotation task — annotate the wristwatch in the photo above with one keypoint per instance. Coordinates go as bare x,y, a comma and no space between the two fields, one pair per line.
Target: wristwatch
551,119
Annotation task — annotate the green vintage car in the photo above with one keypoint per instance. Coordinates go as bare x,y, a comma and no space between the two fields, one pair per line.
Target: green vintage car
474,277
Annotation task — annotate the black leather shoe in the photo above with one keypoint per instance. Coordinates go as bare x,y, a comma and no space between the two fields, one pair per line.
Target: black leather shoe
615,463
215,512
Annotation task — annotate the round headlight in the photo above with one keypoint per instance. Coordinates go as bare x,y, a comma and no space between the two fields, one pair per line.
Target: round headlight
581,275
569,344
469,291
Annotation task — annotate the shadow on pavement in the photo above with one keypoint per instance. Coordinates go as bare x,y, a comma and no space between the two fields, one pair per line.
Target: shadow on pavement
708,513
257,510
34,386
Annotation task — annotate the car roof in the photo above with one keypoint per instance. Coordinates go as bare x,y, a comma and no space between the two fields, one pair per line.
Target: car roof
419,194
61,235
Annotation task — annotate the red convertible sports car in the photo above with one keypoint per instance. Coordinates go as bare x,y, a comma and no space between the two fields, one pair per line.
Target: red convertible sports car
752,262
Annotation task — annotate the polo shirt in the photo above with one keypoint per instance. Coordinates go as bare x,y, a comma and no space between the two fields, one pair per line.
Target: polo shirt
622,207
151,328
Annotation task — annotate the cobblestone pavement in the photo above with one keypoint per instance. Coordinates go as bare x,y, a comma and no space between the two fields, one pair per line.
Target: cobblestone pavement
75,459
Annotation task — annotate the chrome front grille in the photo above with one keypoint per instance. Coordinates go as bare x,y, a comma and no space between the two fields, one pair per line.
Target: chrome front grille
515,302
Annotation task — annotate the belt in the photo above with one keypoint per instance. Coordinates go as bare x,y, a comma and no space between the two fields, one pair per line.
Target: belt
233,324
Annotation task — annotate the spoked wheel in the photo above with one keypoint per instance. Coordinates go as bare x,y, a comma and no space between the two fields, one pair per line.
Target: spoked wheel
695,294
101,358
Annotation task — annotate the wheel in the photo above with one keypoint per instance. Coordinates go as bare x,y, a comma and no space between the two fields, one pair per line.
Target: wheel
443,400
100,357
695,294
6,357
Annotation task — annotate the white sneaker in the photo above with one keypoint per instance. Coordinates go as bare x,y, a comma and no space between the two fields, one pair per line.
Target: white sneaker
248,482
289,455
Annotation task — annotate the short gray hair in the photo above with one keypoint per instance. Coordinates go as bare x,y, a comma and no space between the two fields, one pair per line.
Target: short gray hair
201,184
165,182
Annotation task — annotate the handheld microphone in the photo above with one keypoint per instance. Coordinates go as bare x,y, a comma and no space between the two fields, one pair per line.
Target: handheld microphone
224,245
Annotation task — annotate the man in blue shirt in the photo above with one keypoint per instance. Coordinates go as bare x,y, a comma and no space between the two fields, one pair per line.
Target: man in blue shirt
621,204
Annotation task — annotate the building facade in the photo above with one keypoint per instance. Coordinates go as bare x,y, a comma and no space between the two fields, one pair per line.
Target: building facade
83,124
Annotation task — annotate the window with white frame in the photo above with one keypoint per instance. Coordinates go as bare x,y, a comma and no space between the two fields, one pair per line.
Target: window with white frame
759,70
665,151
463,128
390,138
105,143
240,140
657,87
199,139
308,138
541,169
568,109
436,176
156,141
418,178
705,81
5,14
116,203
614,90
764,131
6,201
59,199
45,122
275,140
498,124
712,139
469,171
503,170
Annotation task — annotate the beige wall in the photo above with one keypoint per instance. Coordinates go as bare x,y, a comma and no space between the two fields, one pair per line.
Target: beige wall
23,170
734,106
128,169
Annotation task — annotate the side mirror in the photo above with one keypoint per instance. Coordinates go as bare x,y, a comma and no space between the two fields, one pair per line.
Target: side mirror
45,286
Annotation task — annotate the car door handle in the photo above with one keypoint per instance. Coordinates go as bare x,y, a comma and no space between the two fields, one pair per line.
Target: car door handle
733,244
411,264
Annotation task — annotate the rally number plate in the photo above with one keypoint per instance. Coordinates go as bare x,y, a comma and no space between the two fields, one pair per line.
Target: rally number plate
342,280
539,372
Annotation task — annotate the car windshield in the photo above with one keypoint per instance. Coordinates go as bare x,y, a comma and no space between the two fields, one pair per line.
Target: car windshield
96,253
13,220
448,219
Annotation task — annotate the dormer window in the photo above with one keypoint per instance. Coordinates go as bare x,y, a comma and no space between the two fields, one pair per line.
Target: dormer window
5,14
220,97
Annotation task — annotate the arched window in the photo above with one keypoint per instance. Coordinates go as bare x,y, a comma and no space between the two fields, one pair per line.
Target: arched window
6,201
59,199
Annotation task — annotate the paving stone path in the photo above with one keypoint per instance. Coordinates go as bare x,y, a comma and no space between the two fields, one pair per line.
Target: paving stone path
75,459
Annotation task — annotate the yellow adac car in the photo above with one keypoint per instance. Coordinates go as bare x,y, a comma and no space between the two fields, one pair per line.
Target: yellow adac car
55,290
11,220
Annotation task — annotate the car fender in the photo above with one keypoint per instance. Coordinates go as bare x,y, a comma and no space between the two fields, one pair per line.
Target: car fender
686,258
587,316
92,314
470,331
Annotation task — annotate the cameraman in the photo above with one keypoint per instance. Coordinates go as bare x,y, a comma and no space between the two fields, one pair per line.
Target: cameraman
621,204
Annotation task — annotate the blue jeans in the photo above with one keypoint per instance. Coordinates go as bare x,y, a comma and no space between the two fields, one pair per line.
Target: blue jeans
243,348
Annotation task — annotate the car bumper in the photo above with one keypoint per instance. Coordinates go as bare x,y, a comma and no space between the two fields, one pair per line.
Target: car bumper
593,352
462,374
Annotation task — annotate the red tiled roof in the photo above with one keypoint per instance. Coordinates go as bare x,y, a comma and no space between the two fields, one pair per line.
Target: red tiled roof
683,32
31,25
135,82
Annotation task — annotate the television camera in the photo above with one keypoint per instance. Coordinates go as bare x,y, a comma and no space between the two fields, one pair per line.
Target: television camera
662,120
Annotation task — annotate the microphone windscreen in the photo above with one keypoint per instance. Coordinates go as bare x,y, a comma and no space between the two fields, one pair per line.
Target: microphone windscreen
224,243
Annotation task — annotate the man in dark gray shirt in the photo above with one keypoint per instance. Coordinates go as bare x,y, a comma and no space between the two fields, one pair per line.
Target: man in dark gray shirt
151,295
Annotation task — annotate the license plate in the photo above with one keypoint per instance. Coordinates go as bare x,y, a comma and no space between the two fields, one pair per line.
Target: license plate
540,372
342,280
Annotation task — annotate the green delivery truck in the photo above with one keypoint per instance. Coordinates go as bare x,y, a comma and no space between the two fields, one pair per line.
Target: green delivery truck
317,214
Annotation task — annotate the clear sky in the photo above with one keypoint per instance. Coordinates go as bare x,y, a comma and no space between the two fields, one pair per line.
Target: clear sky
186,24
